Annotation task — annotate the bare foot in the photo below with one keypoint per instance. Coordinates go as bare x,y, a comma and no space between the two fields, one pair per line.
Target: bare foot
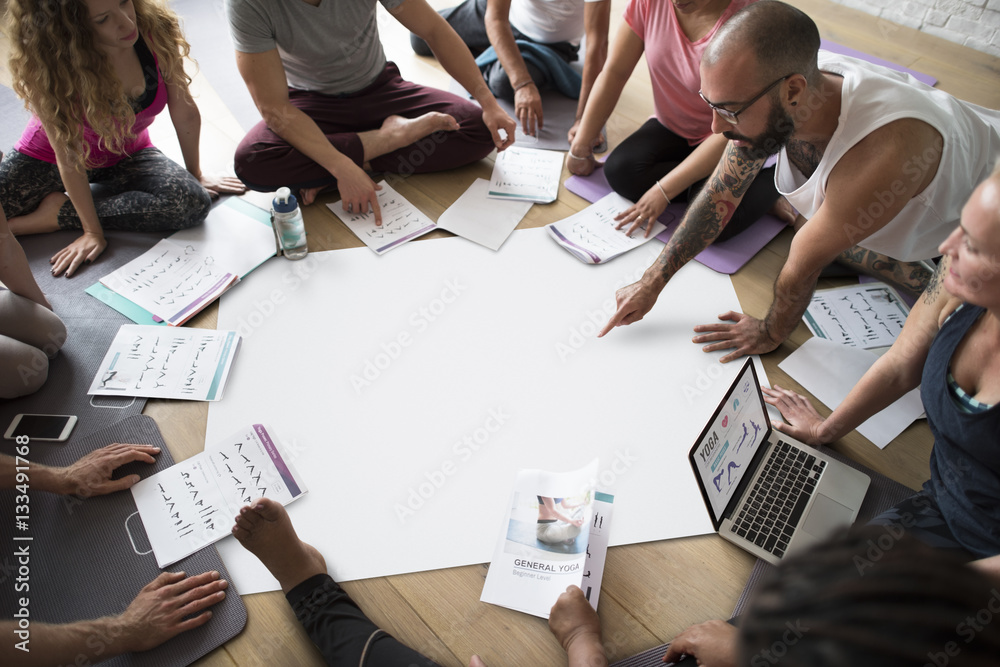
264,529
308,195
43,219
783,211
404,131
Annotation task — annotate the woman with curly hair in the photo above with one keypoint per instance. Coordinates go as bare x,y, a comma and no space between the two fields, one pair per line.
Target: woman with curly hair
95,73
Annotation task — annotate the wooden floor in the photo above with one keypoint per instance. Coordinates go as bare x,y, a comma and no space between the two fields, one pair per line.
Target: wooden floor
651,591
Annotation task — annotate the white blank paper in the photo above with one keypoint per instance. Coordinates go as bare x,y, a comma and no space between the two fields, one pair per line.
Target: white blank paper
829,370
485,221
408,393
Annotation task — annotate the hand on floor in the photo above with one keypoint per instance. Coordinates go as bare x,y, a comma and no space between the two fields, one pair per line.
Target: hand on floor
84,250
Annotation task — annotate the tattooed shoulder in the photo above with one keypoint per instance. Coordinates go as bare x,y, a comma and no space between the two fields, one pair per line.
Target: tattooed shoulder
936,284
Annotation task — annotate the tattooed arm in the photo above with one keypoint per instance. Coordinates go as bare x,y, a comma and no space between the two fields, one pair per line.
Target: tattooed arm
704,221
866,190
911,276
895,373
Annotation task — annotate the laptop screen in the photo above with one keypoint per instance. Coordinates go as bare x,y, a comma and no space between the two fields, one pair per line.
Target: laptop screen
726,448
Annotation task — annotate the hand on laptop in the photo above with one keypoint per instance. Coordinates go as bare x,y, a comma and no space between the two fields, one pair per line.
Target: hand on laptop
713,643
804,422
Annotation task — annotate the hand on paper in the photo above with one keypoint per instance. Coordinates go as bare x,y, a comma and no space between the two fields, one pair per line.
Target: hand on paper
713,643
84,250
92,474
496,119
804,422
634,301
528,107
577,628
747,334
159,610
222,185
358,192
643,213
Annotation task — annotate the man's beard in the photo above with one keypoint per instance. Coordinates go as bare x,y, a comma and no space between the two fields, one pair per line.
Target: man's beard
780,128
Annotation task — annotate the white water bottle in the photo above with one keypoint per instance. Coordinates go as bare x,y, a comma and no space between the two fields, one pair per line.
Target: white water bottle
288,223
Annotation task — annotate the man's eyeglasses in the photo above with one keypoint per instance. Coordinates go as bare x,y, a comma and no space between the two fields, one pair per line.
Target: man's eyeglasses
733,117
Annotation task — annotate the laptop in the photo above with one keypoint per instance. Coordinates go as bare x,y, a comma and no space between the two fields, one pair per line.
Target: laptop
765,492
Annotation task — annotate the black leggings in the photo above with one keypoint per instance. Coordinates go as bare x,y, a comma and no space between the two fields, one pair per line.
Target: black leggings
342,632
145,192
652,151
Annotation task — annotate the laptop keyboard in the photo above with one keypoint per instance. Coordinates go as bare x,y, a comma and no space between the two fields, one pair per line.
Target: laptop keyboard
774,506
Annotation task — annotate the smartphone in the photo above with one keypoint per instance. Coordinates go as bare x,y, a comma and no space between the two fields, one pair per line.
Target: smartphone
47,428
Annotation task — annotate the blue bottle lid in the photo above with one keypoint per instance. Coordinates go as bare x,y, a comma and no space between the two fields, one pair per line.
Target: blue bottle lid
284,201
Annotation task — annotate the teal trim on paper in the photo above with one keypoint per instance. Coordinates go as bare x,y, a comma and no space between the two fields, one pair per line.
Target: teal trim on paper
223,361
604,497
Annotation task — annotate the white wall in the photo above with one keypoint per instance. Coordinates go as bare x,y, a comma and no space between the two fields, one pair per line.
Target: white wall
974,23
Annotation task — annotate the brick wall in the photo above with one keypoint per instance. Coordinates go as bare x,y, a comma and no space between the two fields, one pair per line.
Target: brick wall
974,23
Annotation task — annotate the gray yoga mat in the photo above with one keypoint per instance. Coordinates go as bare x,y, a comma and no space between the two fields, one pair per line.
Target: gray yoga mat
15,118
83,563
90,326
207,30
882,494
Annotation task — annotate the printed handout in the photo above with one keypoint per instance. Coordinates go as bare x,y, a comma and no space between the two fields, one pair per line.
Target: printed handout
173,281
401,221
526,174
555,534
590,235
157,362
191,504
867,316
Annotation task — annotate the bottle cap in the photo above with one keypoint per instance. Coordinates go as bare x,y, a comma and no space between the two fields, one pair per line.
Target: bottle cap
284,201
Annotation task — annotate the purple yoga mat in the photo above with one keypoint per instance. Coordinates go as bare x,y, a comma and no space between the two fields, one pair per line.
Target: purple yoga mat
833,47
725,257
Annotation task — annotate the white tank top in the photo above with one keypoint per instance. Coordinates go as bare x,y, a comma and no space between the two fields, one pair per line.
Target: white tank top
873,96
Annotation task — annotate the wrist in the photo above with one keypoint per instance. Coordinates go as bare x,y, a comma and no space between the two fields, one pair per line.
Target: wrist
581,151
52,480
654,280
523,84
585,648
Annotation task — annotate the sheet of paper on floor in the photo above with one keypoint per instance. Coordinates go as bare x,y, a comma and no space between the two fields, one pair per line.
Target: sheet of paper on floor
485,221
408,393
401,221
526,174
866,316
829,371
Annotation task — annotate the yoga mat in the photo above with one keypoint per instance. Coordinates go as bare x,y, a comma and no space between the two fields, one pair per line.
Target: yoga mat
90,326
84,564
423,379
15,118
207,30
726,257
882,494
833,47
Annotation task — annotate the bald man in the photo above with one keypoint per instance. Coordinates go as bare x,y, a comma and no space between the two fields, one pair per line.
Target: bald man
877,164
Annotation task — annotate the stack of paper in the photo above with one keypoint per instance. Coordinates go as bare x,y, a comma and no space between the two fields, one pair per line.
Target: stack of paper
155,362
474,216
590,235
236,236
526,174
191,504
174,282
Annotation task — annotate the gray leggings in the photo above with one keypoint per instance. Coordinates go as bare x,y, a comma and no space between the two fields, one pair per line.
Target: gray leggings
30,335
145,192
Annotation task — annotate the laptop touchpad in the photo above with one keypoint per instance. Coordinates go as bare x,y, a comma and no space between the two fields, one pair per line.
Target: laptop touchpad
826,516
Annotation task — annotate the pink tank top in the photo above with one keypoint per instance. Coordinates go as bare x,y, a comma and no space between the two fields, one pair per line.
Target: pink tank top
35,143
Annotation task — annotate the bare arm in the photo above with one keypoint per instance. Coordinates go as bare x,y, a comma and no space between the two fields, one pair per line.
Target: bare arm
527,99
92,243
15,273
596,20
91,475
626,51
418,17
895,373
704,221
156,615
186,119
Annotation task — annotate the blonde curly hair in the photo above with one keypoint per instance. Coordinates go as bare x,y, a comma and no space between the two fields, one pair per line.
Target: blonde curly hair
65,79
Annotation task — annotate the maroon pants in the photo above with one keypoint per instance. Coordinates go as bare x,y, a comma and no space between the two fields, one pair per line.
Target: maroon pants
265,161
